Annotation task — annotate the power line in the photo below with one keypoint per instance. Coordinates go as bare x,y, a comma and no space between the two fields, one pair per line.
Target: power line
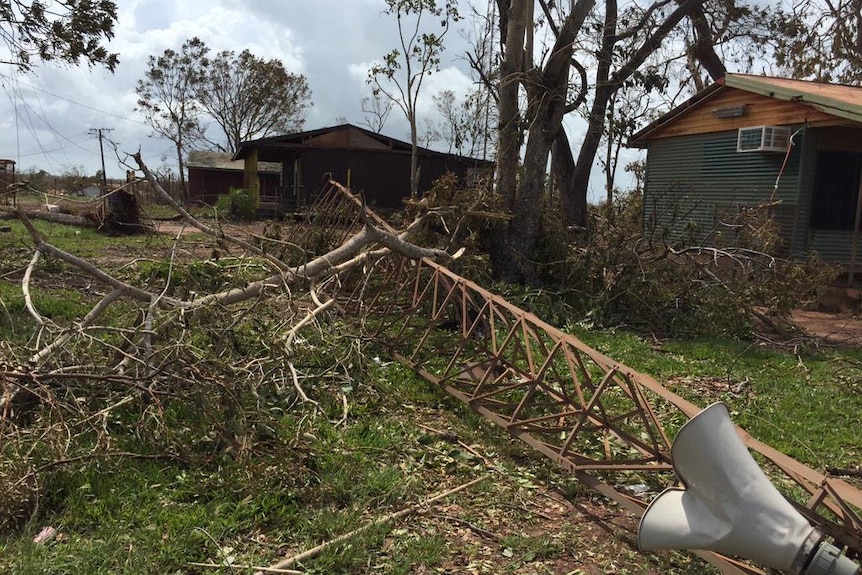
30,115
71,101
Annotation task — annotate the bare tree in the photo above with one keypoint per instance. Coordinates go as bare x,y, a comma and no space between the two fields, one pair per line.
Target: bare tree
403,71
628,110
462,125
483,100
515,19
376,109
451,120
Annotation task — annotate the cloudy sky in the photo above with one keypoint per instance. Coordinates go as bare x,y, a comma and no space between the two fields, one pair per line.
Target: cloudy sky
47,116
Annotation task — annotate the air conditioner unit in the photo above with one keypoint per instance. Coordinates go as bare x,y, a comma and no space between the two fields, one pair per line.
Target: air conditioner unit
763,139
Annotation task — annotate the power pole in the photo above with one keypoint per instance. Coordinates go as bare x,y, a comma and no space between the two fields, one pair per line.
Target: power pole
102,153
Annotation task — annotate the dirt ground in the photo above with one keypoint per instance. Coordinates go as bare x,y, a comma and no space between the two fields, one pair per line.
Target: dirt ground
839,329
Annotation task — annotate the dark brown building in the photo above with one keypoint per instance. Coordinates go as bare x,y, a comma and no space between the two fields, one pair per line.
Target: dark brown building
214,174
365,161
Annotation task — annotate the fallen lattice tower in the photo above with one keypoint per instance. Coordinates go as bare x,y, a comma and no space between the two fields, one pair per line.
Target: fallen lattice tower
598,419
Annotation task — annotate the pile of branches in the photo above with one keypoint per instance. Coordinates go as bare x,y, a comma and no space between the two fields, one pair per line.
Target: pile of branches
180,357
731,283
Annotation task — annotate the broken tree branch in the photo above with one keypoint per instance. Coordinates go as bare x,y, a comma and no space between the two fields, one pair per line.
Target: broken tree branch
87,321
309,317
55,217
90,269
289,561
301,392
244,567
25,288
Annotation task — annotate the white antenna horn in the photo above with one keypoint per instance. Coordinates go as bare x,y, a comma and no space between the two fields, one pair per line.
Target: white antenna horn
729,506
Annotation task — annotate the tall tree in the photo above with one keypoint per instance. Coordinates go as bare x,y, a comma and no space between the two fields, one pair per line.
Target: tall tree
166,98
547,92
401,74
620,62
604,49
69,31
249,97
631,42
717,35
515,19
687,61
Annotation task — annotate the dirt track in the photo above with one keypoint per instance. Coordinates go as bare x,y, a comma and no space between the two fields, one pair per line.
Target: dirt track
843,329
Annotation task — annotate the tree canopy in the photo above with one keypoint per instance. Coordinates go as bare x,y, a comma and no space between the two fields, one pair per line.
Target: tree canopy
166,96
820,40
69,31
249,97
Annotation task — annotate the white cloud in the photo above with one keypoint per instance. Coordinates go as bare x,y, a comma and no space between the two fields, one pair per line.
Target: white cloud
331,42
152,14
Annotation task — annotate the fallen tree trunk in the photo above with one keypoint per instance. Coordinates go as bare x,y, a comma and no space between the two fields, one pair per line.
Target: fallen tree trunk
56,217
116,212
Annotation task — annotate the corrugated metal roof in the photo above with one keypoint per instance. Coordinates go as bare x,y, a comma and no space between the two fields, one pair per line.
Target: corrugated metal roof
292,143
299,140
222,161
834,99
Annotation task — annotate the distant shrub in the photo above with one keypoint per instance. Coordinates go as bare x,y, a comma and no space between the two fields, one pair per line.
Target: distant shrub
236,205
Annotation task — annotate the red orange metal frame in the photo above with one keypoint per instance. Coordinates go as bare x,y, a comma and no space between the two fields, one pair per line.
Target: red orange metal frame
599,419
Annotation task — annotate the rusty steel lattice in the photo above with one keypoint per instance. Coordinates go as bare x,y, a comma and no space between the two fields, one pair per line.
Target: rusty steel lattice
598,419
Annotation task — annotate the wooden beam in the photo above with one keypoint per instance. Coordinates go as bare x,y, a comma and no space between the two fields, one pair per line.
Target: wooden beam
251,181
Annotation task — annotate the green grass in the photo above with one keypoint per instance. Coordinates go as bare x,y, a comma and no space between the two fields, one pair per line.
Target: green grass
802,404
84,242
59,306
307,477
311,483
